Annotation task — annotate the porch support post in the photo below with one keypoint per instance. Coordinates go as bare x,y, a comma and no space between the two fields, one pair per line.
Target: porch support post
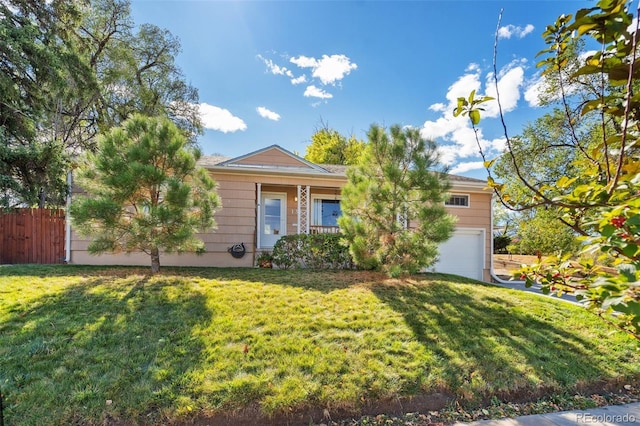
306,210
303,209
258,212
299,198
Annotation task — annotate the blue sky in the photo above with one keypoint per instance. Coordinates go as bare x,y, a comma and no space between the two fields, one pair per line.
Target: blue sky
272,72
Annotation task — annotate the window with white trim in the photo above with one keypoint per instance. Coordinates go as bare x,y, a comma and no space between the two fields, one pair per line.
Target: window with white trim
458,200
326,212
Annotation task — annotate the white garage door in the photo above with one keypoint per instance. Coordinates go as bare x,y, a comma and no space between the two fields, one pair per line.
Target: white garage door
462,254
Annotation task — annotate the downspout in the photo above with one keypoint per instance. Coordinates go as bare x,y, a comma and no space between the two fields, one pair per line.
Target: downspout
67,221
491,271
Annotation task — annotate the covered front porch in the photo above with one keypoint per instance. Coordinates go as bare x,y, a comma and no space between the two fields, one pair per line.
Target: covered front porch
294,209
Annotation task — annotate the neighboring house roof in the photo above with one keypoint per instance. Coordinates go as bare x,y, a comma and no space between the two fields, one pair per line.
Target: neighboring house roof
208,161
276,159
466,179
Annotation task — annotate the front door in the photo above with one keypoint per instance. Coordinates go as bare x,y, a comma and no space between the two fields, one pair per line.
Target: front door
273,219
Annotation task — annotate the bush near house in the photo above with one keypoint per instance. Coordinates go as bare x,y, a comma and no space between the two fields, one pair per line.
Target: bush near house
315,251
501,243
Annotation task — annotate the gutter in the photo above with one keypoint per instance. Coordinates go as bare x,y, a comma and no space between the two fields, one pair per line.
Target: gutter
67,221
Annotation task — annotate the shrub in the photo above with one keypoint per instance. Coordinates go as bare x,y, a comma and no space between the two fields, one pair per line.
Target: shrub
500,243
264,260
316,251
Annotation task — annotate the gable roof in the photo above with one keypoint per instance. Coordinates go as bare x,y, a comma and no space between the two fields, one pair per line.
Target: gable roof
273,157
274,160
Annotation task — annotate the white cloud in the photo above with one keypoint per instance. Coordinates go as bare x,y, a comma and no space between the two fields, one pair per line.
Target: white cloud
329,69
499,144
304,62
439,107
456,138
472,67
443,127
314,92
266,113
333,68
463,86
221,119
512,30
274,68
534,90
298,80
467,166
510,81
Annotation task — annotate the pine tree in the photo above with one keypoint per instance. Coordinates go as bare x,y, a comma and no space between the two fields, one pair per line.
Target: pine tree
144,192
393,203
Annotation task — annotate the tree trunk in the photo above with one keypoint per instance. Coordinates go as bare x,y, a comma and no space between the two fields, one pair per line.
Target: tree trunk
155,260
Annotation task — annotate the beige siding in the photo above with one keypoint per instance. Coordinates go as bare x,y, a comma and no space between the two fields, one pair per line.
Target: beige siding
272,157
236,219
236,222
210,259
478,216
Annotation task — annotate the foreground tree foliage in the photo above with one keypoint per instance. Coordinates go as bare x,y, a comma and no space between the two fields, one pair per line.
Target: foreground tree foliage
39,70
144,192
540,232
543,153
597,193
393,203
135,68
70,70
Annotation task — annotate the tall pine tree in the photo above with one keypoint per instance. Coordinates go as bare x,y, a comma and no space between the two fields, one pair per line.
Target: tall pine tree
144,192
393,204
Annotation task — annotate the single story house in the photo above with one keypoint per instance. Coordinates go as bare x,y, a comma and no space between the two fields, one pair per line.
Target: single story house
272,192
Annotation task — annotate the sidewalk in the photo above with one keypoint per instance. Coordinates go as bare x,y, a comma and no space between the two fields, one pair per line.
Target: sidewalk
615,415
519,285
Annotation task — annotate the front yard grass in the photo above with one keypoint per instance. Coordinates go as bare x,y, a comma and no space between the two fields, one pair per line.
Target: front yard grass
88,345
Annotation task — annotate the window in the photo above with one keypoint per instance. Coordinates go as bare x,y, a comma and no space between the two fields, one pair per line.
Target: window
458,201
326,212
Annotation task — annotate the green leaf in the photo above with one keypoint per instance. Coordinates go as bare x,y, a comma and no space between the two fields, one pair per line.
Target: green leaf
607,230
628,271
564,181
488,164
474,115
582,29
631,308
630,250
591,106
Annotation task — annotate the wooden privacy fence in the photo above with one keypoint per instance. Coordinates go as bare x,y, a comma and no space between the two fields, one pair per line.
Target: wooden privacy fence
32,236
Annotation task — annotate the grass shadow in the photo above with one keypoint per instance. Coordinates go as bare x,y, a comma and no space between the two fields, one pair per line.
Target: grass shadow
493,343
124,345
109,347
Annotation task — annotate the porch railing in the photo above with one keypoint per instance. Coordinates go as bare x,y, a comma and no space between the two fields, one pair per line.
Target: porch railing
316,229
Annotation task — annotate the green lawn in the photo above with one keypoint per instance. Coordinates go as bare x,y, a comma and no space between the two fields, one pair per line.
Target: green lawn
90,345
